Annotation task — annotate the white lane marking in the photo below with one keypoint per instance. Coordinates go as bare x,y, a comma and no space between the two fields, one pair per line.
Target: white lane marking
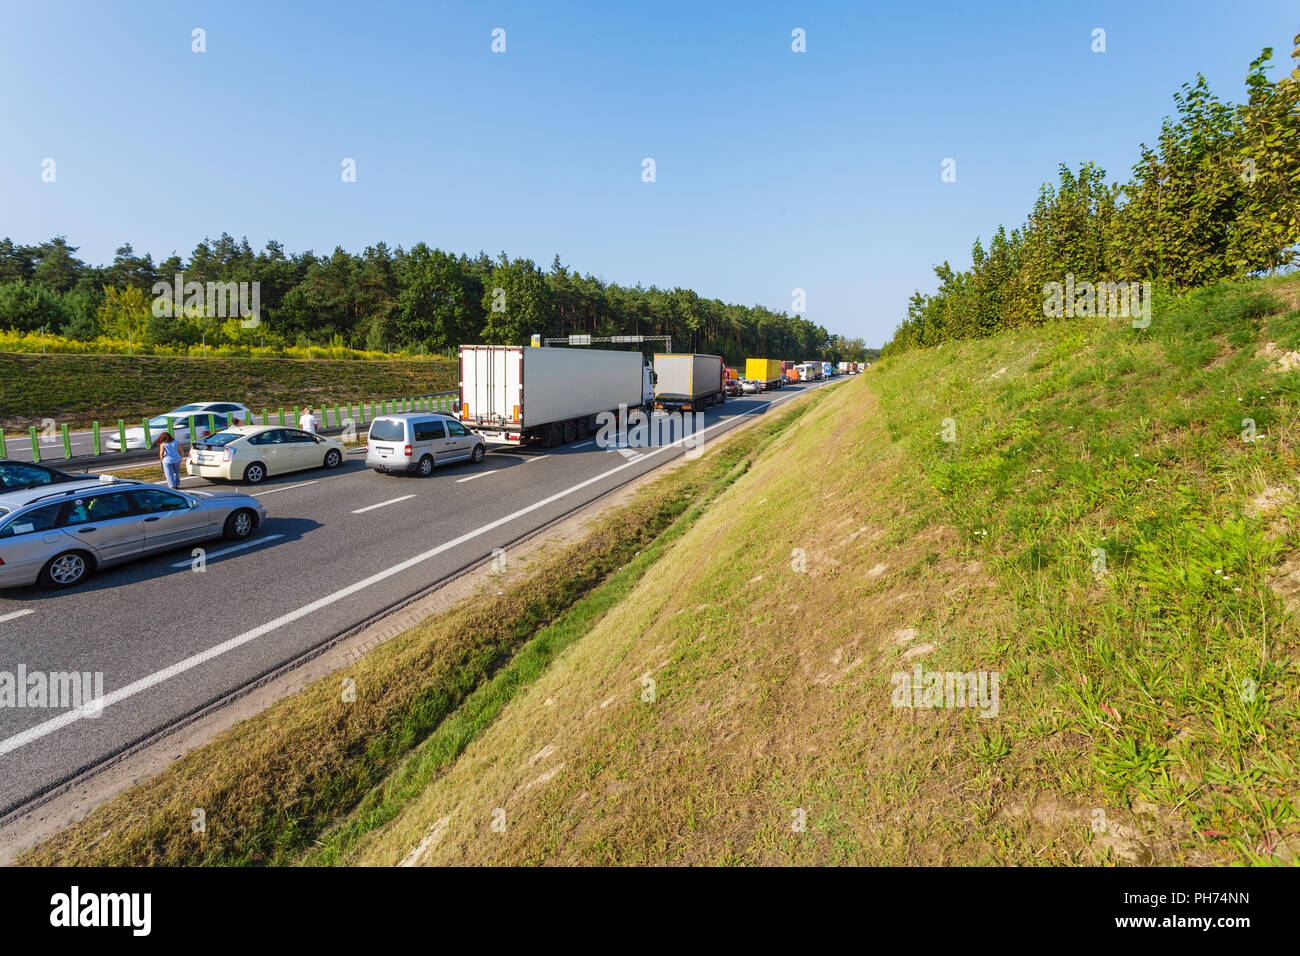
479,474
96,707
15,615
382,504
271,491
537,457
585,444
229,550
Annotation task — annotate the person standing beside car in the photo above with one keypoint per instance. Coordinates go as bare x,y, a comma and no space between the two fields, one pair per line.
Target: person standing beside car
169,453
307,421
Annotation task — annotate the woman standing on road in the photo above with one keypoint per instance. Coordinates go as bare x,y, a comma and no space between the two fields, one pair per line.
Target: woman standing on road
169,453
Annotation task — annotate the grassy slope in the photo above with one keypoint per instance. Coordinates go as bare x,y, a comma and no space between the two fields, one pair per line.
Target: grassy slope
78,389
1149,713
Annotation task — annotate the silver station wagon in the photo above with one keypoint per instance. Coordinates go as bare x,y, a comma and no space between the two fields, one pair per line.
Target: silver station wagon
57,537
418,441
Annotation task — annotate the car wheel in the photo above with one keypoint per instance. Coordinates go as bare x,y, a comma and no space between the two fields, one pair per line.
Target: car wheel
425,467
66,569
254,473
477,456
333,459
239,525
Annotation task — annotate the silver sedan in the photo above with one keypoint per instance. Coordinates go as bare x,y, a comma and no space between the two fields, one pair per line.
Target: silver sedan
58,537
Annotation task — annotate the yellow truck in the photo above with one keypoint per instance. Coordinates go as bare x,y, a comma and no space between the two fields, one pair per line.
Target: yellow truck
767,372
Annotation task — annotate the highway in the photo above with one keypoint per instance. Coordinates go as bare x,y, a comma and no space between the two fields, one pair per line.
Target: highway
337,549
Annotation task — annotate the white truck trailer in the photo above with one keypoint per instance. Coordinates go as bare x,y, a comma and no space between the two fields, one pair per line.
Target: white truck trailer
686,382
516,395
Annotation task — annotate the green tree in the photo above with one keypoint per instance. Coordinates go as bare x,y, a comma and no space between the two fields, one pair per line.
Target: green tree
517,302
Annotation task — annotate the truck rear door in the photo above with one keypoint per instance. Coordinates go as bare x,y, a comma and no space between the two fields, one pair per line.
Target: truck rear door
490,379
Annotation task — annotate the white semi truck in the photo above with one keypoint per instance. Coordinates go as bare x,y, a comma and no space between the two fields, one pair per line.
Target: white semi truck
685,382
552,396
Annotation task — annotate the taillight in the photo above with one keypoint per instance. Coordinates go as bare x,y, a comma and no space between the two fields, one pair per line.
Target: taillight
230,453
408,451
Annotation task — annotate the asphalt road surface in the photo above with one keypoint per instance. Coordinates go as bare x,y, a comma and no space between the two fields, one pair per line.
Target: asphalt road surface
337,549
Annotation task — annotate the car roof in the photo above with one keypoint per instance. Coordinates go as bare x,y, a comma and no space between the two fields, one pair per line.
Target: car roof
254,429
32,464
21,498
409,415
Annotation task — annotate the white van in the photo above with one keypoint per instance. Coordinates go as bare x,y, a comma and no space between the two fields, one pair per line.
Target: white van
420,441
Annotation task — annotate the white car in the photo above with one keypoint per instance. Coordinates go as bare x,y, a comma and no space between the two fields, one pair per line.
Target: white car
252,452
180,428
749,387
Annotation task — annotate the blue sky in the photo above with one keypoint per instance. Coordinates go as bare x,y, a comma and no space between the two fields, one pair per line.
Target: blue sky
775,170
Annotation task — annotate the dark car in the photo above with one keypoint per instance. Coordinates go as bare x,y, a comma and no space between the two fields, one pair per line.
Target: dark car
17,475
731,387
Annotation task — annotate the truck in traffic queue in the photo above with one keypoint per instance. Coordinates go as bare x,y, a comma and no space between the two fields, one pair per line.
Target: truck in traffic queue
809,371
765,371
686,382
549,395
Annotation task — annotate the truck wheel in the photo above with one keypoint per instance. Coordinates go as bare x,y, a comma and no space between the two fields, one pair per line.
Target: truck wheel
584,428
552,436
570,432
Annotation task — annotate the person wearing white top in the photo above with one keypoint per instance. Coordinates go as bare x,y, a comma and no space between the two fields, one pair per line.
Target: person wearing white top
307,421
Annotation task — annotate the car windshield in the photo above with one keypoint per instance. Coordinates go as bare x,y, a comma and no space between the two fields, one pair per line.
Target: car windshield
19,475
220,438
